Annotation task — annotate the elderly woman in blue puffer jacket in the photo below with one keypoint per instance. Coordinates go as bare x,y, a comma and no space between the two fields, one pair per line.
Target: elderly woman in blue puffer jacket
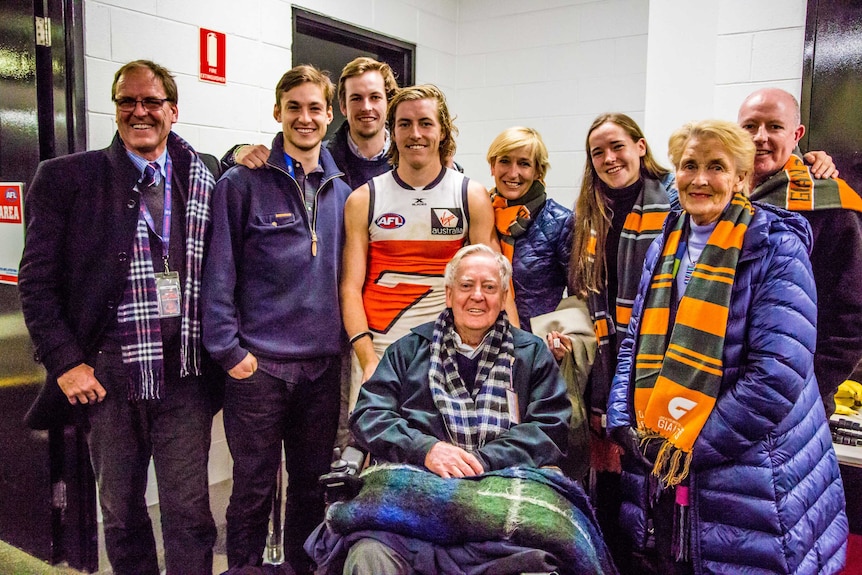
535,231
714,398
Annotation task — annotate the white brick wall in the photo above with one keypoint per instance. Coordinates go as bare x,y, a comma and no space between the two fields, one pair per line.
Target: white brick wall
704,66
550,64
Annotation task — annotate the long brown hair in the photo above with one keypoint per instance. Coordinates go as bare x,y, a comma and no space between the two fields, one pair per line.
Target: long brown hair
587,274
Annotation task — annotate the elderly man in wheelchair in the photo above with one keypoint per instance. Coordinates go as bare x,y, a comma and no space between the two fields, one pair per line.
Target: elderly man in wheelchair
464,420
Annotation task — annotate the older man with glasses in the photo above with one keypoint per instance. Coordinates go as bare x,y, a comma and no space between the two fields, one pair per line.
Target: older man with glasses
109,284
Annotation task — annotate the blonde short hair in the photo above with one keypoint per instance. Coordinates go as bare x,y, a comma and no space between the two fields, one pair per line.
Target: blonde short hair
518,137
359,66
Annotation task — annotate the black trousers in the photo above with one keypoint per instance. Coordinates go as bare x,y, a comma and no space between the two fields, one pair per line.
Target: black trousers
175,431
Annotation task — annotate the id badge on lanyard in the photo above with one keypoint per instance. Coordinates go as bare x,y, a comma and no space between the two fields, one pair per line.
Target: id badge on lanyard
168,292
512,398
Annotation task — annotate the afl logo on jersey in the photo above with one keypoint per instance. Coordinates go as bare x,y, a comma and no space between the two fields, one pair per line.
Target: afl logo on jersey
390,221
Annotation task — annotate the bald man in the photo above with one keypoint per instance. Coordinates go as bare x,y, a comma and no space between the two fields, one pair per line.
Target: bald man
834,211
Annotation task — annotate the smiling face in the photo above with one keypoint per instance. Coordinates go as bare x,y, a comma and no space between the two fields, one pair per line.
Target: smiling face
304,114
417,133
476,296
707,178
365,104
615,156
772,119
144,132
514,172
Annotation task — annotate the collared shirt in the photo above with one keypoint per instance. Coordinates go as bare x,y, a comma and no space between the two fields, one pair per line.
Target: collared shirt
355,149
141,163
468,350
309,183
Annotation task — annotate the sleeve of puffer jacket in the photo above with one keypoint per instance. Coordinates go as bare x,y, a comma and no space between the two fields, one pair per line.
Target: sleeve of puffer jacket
564,243
780,341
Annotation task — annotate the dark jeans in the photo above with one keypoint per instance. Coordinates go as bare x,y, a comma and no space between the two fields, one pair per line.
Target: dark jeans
175,432
294,404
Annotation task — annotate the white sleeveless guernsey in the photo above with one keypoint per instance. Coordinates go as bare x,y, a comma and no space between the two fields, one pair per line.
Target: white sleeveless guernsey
413,233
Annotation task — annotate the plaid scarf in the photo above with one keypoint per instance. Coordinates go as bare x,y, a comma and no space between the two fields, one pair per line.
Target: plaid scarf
643,224
514,217
794,189
138,314
677,378
472,420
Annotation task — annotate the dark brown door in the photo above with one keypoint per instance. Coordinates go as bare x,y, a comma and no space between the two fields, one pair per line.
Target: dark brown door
330,44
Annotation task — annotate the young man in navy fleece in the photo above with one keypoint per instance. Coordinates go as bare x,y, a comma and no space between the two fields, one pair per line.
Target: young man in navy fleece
272,319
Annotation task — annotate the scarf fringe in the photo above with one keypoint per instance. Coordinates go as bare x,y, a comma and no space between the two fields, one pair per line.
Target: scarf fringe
672,464
150,386
190,360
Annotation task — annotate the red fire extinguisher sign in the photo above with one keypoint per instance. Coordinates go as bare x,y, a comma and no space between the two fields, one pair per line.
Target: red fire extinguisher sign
213,52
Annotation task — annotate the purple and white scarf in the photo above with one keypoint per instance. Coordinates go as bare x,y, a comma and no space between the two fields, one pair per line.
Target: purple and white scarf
138,313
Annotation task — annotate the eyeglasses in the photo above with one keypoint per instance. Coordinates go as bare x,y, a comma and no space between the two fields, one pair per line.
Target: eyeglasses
149,104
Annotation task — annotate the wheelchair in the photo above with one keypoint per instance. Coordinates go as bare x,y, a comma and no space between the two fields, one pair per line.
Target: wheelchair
344,482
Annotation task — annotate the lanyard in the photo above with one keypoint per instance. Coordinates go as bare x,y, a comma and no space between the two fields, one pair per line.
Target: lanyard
289,161
165,236
681,249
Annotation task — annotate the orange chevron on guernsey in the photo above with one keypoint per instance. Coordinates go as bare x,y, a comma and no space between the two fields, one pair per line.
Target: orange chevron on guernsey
394,285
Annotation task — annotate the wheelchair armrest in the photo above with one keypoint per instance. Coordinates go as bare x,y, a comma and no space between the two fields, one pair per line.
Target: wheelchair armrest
343,481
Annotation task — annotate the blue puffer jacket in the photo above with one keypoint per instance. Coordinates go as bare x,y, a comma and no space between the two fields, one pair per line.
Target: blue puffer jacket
766,494
541,262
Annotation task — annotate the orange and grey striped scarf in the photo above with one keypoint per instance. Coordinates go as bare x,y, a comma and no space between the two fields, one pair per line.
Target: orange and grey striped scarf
677,378
794,189
642,225
513,218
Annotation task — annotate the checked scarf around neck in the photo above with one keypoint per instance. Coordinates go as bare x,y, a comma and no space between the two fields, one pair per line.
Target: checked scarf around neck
677,378
513,217
794,189
138,314
472,420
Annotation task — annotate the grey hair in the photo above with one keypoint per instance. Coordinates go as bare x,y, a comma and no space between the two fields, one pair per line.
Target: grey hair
503,265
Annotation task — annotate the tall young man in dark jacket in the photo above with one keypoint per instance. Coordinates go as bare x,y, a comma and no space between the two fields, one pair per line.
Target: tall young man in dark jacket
272,318
109,287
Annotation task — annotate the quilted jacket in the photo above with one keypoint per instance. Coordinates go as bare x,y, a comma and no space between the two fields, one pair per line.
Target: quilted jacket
541,262
766,494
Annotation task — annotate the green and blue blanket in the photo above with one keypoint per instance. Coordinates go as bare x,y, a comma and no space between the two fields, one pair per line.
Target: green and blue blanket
529,507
